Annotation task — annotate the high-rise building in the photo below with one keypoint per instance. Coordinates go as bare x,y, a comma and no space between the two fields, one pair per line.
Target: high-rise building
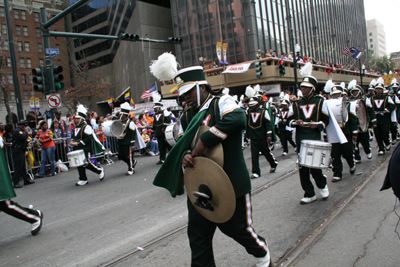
28,41
321,28
376,38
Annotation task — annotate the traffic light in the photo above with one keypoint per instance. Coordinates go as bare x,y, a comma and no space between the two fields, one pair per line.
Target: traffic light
282,70
38,80
58,78
129,37
257,64
174,40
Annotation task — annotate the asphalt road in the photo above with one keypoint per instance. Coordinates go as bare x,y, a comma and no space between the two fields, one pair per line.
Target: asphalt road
95,224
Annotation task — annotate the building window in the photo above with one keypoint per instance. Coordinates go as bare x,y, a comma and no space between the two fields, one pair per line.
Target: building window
38,32
23,14
28,63
59,62
10,78
5,45
25,30
372,52
27,49
36,16
370,34
23,80
32,92
8,62
16,13
57,46
2,12
26,94
18,29
19,45
30,77
40,47
22,63
41,62
12,95
371,40
372,46
4,28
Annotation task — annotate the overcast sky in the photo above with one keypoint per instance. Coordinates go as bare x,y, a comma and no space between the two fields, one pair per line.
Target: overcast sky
387,13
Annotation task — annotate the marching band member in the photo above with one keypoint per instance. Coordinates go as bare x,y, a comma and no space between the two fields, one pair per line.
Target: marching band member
259,131
383,106
82,138
161,120
350,130
285,134
394,115
309,108
363,137
126,142
227,120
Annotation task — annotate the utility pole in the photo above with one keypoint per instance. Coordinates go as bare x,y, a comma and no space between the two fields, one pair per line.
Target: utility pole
13,62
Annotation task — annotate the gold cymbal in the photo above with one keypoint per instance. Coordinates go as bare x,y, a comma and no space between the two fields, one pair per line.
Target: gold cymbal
215,152
210,174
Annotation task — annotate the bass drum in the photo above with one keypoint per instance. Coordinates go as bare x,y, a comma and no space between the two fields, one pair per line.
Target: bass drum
361,112
171,133
339,110
112,128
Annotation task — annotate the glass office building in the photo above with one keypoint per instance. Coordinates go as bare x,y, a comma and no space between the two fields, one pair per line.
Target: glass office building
322,28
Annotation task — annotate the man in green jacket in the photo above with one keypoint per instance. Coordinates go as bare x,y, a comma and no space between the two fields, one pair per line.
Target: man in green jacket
310,108
258,129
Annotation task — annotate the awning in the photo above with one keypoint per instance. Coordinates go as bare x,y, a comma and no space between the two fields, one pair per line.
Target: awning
237,68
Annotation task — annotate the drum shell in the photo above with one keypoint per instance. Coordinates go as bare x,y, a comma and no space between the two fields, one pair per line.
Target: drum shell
315,154
77,158
112,128
171,134
339,110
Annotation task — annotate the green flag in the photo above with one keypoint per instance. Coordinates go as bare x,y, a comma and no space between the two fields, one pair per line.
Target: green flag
170,175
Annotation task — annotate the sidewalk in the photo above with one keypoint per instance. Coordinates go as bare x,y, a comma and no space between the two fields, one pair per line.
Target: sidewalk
363,234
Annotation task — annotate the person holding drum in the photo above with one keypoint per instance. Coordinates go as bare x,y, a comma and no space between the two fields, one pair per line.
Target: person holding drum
314,109
394,115
370,120
226,121
383,106
82,139
161,120
259,131
126,142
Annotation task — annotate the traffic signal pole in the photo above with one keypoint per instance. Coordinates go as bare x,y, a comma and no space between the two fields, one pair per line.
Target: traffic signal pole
13,63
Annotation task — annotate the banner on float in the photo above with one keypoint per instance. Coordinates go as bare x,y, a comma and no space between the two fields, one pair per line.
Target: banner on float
219,52
237,68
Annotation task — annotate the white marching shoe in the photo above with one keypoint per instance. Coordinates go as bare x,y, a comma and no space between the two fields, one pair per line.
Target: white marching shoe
324,192
102,174
82,182
264,261
307,200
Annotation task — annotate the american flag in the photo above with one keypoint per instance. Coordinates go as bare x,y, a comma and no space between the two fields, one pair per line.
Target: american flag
347,52
147,94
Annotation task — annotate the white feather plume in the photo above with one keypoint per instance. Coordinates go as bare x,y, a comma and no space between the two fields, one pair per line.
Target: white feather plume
271,99
281,95
352,83
235,97
299,93
225,91
126,105
306,70
257,88
81,109
328,86
343,85
380,80
394,81
250,92
287,98
373,83
165,67
156,97
241,97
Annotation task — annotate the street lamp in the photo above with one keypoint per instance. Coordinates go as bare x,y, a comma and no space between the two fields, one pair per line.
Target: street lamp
297,49
362,71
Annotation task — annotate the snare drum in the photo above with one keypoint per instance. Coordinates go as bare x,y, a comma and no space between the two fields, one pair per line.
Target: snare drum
339,110
77,158
171,134
315,154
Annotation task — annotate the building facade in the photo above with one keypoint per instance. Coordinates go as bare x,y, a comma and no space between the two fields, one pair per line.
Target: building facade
321,28
28,41
376,38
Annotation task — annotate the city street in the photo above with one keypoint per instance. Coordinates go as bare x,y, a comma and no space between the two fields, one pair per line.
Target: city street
98,223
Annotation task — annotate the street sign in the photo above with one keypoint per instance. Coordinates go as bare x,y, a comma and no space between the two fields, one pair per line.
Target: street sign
52,50
52,55
54,100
